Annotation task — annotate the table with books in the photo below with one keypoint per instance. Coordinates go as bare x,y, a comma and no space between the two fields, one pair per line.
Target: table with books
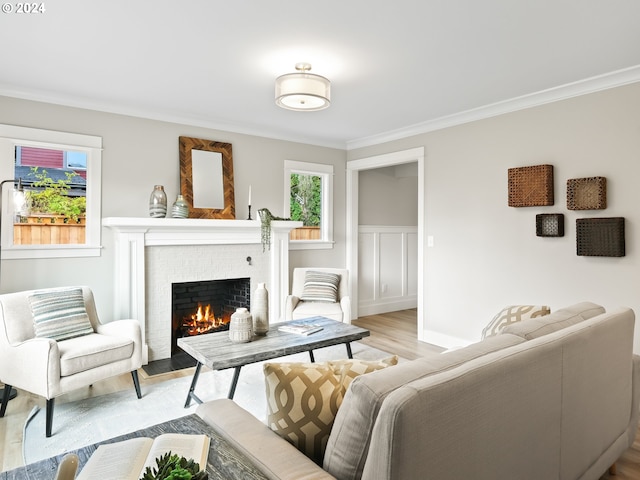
216,351
223,462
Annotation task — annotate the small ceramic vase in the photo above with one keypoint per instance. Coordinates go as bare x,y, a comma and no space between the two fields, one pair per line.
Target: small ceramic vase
180,208
158,202
241,326
260,310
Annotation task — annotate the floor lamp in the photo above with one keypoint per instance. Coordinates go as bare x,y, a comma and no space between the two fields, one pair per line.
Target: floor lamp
19,202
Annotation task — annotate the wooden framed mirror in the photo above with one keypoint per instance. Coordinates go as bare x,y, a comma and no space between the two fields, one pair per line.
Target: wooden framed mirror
206,178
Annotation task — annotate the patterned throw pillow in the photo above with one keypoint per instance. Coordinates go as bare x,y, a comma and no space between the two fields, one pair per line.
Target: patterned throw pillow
513,314
303,399
60,314
320,287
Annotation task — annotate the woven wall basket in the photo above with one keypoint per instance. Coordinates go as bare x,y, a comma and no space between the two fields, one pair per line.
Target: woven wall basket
531,186
550,225
600,237
587,193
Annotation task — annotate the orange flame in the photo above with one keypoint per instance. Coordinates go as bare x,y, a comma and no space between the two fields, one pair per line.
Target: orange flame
202,321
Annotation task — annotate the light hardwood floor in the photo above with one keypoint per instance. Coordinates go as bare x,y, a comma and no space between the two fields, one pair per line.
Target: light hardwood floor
392,332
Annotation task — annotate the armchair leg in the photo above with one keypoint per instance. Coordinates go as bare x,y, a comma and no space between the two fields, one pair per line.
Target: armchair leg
50,405
613,470
136,383
311,357
6,396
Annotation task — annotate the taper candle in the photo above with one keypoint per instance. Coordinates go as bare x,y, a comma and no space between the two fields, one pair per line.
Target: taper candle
249,195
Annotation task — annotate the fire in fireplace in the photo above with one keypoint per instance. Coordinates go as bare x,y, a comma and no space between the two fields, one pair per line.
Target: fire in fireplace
206,306
203,321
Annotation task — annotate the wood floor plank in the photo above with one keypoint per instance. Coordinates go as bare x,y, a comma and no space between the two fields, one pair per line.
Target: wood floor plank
394,332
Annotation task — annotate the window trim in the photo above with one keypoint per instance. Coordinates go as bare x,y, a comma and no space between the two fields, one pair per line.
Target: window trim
10,137
326,228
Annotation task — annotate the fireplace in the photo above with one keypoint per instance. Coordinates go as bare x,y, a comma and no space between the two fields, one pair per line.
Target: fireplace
205,306
151,254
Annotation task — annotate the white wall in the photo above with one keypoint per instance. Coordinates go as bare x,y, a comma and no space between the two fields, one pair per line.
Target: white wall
387,268
486,255
140,153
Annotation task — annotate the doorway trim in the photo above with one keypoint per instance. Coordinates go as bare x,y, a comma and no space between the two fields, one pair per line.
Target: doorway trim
368,163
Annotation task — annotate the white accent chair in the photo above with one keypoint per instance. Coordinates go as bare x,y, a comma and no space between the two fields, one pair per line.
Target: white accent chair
297,309
51,368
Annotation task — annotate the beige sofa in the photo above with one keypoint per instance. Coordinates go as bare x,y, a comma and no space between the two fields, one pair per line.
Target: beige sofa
554,397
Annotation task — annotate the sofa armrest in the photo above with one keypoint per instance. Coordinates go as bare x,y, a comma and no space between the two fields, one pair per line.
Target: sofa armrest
271,454
290,303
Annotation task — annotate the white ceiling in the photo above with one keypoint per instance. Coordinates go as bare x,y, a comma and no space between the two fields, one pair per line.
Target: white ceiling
397,67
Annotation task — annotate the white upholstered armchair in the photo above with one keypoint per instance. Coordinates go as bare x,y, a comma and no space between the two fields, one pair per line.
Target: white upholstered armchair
52,342
301,304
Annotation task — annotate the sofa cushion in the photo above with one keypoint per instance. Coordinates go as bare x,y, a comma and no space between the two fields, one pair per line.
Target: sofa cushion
59,314
303,399
513,314
348,442
320,287
91,351
565,317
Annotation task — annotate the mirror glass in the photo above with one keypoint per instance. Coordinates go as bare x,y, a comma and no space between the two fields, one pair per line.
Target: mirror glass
206,171
206,178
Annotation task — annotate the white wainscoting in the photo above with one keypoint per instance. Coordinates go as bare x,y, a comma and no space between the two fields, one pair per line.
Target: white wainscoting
387,268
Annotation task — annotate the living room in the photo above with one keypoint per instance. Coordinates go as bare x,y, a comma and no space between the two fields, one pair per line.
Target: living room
479,254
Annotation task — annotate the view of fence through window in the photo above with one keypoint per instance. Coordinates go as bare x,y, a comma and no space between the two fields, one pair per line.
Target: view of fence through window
55,189
306,206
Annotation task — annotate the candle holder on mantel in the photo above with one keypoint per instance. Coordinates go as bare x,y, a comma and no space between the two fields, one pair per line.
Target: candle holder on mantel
249,217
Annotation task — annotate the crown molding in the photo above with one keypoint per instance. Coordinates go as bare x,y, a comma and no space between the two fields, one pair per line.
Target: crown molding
583,87
149,114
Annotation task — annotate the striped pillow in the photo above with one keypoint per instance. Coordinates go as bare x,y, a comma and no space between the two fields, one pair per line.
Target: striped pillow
320,287
60,314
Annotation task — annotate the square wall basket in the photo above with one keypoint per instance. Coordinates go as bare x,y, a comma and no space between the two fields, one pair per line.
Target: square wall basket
600,237
531,186
587,193
550,225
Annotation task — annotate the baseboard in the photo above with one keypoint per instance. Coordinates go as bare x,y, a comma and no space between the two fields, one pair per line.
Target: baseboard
376,308
443,340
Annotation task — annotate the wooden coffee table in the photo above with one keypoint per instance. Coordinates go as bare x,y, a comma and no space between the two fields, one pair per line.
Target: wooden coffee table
217,352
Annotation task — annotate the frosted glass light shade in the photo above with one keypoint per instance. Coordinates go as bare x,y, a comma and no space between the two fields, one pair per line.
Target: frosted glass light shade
303,91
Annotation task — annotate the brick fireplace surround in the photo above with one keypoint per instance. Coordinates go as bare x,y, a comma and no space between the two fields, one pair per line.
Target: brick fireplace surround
153,253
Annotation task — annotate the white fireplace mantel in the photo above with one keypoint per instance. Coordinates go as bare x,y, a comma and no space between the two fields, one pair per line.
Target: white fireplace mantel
132,235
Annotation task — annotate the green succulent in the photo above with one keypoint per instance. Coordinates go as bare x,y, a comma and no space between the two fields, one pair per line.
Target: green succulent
174,467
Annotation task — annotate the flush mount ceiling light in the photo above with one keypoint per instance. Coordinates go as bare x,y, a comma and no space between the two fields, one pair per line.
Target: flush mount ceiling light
303,91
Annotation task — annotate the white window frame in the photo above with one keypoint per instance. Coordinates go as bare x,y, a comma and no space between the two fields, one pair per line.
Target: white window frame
326,220
12,136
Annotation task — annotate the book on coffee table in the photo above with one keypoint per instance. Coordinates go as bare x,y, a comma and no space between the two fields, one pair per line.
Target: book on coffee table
128,460
301,328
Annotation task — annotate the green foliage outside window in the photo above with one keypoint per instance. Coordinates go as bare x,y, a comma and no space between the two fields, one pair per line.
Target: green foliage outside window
306,199
52,197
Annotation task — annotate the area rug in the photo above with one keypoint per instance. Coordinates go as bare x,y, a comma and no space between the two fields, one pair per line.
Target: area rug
84,422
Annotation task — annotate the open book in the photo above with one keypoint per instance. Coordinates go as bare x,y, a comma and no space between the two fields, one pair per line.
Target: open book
300,328
128,460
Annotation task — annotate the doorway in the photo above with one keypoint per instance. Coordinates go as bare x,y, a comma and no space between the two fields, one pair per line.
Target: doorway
354,167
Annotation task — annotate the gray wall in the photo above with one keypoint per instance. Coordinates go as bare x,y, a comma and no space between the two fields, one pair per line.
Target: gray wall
486,255
387,196
140,153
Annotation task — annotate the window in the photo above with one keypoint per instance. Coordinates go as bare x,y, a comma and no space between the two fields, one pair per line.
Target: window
60,173
309,199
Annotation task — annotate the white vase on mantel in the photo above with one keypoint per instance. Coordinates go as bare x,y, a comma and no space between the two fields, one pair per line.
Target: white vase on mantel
260,310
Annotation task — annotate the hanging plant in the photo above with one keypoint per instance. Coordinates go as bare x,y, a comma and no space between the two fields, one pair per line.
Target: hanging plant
265,227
